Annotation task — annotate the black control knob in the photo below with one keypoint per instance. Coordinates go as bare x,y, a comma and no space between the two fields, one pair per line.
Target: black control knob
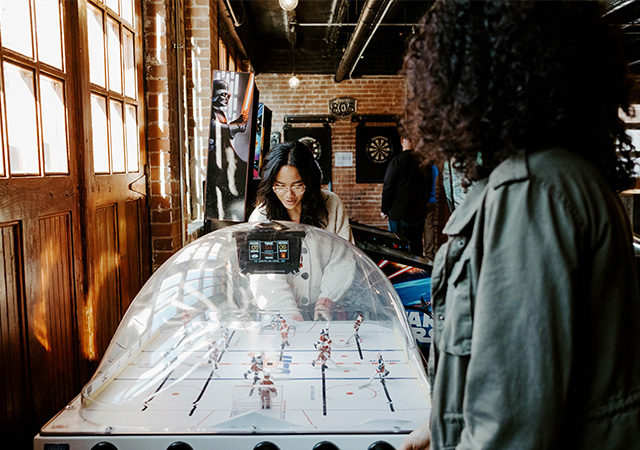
179,446
325,445
266,445
104,446
381,445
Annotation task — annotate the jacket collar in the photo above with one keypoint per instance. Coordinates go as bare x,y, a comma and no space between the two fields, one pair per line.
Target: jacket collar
514,168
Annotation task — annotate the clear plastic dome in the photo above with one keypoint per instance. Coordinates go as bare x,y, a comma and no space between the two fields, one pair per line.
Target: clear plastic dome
230,336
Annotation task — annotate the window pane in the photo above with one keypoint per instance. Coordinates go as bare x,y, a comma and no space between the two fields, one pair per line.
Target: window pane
113,4
16,26
21,120
100,137
117,136
133,151
96,46
129,65
115,64
128,11
54,126
48,28
222,55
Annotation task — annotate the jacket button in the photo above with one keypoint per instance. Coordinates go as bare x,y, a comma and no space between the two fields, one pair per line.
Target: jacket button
460,243
305,275
304,250
441,317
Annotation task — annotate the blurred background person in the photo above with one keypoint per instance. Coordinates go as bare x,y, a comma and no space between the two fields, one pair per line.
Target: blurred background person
429,235
404,196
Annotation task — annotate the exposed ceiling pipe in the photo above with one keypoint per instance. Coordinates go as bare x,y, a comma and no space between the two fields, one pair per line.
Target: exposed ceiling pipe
338,12
290,28
372,15
231,26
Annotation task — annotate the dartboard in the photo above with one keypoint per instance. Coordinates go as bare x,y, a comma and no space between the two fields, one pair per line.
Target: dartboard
379,149
313,145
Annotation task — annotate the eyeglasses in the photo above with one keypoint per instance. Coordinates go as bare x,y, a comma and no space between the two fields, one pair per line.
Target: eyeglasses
296,189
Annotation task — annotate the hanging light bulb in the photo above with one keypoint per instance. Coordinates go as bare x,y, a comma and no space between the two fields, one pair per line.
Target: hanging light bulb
288,5
294,81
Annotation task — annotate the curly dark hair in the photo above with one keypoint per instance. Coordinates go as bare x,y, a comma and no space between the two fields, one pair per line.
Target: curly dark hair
488,78
296,154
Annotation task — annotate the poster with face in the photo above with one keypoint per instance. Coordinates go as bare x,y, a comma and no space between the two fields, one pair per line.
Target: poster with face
234,101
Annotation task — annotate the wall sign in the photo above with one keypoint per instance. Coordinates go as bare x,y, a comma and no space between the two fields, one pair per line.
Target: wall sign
342,107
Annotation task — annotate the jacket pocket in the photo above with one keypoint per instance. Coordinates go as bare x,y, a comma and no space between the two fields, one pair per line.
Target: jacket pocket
453,425
455,317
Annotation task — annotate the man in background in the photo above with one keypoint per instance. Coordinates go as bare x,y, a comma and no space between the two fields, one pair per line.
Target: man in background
404,197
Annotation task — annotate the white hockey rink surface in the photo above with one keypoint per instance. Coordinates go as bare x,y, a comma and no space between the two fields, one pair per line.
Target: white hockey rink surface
169,386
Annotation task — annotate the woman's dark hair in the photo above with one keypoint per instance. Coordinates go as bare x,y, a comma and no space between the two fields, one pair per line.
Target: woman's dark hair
296,154
489,78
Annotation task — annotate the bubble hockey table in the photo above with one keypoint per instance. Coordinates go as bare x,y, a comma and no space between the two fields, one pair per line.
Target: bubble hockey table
201,361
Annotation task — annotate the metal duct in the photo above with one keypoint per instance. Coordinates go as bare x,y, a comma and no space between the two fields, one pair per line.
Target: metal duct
371,16
230,26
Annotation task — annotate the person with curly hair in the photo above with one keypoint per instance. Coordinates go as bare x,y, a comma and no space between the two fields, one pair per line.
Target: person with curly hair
291,190
536,340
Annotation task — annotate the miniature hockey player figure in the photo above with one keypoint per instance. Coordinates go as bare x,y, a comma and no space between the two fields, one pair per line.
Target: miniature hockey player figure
284,333
224,331
214,355
276,321
324,338
356,329
381,371
267,390
186,320
257,366
324,353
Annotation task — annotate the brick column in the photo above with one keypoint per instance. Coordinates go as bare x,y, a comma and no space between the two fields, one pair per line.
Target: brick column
201,28
162,127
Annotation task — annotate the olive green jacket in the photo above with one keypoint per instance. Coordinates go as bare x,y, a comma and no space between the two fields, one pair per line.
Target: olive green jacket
537,313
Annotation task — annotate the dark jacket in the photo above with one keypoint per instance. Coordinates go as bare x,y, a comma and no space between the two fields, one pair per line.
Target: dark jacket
536,313
404,193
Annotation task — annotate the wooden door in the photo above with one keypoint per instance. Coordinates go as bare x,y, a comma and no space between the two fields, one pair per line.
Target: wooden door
73,215
115,182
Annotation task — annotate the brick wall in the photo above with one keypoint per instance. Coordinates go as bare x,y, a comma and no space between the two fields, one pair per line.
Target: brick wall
375,95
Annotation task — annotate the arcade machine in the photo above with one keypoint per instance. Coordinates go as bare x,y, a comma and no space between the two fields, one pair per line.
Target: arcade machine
410,275
270,335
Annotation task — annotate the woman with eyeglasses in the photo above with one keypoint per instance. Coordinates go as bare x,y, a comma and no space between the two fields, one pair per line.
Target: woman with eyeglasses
291,190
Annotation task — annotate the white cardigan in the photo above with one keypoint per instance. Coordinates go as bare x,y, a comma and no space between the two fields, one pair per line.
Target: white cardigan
326,271
337,219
